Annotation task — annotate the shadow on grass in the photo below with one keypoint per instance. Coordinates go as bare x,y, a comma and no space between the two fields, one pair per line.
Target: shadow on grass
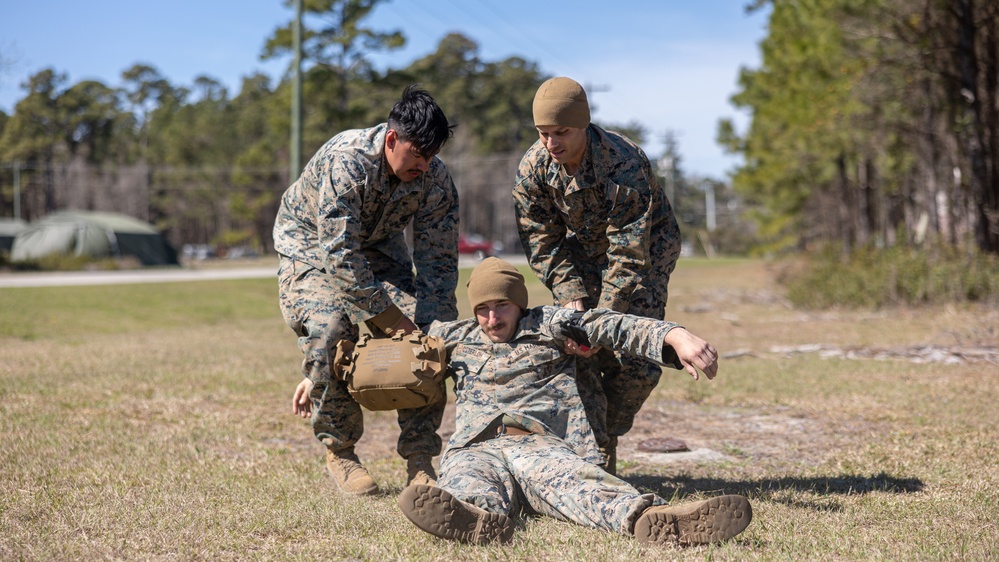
775,489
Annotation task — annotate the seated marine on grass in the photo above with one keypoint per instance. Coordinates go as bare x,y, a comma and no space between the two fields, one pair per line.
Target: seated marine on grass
522,443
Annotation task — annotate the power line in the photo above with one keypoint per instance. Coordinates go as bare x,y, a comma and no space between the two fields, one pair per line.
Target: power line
422,13
517,29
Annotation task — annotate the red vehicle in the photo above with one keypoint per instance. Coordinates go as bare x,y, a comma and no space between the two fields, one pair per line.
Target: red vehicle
476,245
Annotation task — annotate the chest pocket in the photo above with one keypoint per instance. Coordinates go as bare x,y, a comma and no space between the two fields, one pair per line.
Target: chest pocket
385,215
400,211
540,355
588,209
467,363
532,365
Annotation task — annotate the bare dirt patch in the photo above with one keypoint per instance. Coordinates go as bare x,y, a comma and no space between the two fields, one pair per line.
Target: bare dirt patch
773,436
712,434
741,310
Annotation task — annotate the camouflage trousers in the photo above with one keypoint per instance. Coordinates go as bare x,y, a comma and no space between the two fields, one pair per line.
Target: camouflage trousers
613,387
312,308
540,474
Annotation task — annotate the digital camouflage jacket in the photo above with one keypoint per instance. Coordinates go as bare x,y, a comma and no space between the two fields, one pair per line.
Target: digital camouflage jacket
531,379
347,203
612,219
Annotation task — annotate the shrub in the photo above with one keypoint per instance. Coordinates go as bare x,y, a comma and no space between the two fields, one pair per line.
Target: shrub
879,277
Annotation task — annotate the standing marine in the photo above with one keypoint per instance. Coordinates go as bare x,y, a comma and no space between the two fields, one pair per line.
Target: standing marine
344,260
599,232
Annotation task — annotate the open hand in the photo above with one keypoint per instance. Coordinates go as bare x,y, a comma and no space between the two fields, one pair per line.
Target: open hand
301,405
694,353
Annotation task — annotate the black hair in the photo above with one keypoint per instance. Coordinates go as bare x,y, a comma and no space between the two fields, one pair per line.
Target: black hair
418,119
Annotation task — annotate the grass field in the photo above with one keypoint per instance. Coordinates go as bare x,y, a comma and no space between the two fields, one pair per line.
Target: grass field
147,422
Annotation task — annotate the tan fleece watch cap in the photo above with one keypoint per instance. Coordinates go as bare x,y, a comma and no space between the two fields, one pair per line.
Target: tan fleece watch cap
495,279
561,102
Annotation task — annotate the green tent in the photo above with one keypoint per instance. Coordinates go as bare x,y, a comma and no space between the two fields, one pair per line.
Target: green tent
95,234
8,230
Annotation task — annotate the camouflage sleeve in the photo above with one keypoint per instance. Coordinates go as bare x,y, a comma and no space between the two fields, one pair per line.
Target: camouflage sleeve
339,228
542,233
551,320
629,235
629,334
453,333
435,250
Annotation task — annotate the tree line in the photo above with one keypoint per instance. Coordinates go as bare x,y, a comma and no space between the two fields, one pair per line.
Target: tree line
206,165
874,122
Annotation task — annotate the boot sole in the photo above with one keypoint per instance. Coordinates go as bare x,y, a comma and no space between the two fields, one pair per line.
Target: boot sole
710,521
442,515
369,491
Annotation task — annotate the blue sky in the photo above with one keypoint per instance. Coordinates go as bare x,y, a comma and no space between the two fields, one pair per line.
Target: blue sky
668,64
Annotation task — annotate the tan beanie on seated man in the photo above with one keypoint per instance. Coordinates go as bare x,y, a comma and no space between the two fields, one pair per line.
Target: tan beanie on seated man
495,279
561,102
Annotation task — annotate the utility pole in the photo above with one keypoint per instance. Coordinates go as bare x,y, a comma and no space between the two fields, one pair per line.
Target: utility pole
17,190
709,204
668,171
669,166
591,89
295,154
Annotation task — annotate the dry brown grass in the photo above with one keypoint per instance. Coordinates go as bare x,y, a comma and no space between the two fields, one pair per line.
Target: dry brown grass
165,440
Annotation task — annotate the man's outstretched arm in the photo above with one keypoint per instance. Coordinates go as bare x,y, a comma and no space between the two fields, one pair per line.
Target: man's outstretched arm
666,343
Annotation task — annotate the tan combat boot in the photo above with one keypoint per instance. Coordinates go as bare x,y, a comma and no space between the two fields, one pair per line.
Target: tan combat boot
709,521
420,470
349,475
439,513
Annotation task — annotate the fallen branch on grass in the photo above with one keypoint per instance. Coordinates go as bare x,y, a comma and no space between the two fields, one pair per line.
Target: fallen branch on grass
915,354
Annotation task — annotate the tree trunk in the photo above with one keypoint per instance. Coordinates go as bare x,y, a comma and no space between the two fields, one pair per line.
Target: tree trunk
846,207
990,118
987,227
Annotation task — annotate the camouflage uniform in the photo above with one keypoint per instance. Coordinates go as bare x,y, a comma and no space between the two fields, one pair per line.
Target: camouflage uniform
530,382
344,259
608,236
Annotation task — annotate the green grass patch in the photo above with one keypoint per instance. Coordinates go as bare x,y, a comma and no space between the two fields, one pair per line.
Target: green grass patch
68,312
871,277
154,422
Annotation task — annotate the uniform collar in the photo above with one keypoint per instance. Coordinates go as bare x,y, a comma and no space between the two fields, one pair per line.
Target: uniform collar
584,178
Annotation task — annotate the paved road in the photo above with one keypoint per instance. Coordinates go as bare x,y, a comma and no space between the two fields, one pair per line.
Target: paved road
66,278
